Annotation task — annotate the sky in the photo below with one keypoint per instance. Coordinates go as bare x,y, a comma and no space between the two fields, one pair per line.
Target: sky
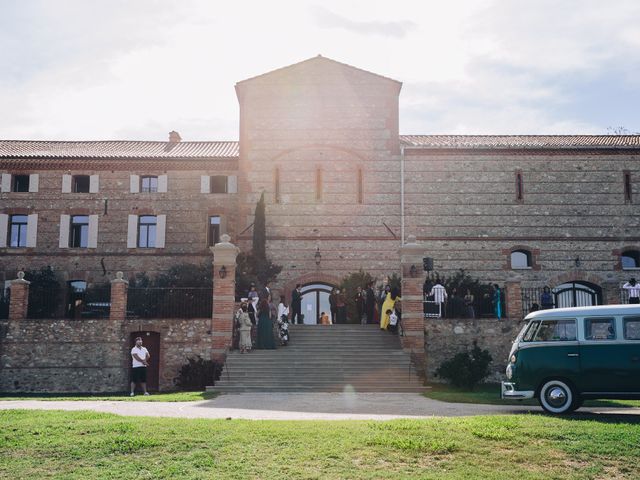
135,70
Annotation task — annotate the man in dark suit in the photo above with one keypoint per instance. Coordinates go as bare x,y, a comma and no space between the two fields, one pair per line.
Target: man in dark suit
370,303
296,305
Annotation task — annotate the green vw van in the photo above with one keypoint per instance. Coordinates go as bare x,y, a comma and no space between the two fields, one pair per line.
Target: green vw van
565,355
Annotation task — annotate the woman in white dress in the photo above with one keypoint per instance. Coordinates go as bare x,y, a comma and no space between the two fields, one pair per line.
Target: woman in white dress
244,327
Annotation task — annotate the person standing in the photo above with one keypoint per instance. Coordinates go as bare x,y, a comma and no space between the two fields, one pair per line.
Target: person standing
341,306
546,299
370,303
468,303
283,310
139,363
633,288
360,304
244,328
296,305
388,306
497,301
439,294
333,306
380,298
265,326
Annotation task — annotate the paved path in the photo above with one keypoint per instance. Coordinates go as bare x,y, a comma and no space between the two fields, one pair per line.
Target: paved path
297,406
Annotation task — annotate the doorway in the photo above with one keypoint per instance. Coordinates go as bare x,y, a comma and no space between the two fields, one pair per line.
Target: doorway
577,294
315,300
151,341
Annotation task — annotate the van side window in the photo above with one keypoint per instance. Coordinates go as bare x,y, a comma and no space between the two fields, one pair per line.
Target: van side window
632,328
531,331
556,331
599,329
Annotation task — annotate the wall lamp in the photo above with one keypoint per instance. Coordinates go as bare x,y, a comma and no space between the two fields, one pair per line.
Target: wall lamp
413,271
317,256
222,272
577,261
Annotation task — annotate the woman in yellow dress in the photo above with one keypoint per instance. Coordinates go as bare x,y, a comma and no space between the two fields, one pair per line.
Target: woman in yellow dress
389,304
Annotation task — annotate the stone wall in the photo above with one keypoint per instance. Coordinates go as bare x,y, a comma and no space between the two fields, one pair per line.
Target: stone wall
444,337
91,355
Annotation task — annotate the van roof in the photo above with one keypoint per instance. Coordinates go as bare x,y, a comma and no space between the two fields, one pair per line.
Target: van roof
583,311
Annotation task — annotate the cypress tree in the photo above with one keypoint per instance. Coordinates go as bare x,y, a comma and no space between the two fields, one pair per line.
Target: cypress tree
260,231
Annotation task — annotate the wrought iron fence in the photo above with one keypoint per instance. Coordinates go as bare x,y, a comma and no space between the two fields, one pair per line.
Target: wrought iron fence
169,302
95,302
45,302
5,296
531,299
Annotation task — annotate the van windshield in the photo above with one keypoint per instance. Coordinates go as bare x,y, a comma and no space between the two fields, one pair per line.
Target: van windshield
530,331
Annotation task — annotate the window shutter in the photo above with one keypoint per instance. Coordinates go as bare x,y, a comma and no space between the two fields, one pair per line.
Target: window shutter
161,225
205,184
134,183
232,184
64,231
32,230
66,183
4,224
94,183
6,182
34,182
132,231
92,241
162,183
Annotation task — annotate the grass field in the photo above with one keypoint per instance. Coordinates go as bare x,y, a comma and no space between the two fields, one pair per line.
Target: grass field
490,394
53,444
119,397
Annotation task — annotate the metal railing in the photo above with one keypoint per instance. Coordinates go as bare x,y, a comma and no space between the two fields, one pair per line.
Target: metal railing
179,302
5,298
95,302
45,302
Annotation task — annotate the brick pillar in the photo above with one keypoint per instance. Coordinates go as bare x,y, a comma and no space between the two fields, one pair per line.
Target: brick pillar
118,310
19,301
411,254
513,300
224,295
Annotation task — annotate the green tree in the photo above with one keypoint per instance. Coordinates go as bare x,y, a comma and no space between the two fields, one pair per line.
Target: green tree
349,285
466,370
259,249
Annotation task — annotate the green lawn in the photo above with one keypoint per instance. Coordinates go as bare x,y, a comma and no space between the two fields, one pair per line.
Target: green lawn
490,394
70,445
124,397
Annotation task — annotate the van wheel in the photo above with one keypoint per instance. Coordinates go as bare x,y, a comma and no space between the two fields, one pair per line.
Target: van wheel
557,397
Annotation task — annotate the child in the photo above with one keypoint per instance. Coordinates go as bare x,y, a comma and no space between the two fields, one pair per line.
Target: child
324,319
393,320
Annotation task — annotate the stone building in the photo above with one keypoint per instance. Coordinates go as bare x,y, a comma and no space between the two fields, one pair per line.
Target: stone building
343,190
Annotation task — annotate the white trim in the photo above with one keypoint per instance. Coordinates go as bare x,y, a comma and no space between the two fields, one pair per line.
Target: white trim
32,230
34,183
232,184
134,183
4,227
64,231
161,225
94,183
66,183
162,183
132,231
6,182
92,240
205,184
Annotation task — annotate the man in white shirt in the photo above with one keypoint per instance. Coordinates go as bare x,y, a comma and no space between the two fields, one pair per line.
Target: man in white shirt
139,363
439,296
633,288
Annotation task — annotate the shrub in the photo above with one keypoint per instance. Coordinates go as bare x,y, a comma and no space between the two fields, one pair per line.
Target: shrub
464,370
349,286
197,374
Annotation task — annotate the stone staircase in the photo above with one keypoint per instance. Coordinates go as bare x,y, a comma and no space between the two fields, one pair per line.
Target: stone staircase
322,358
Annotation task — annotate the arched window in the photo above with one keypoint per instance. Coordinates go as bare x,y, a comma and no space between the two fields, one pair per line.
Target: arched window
521,259
630,259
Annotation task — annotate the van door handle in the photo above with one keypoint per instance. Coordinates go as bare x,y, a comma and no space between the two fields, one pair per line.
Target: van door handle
572,355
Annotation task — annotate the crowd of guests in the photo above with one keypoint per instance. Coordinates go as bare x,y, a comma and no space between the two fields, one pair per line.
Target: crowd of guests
461,304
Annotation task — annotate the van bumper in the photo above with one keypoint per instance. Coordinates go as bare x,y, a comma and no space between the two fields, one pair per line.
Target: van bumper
509,391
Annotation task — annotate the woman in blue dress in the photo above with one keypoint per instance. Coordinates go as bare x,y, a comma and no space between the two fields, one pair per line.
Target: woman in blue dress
497,307
265,326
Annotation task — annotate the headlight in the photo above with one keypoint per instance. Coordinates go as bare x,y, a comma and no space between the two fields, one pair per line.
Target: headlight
513,358
509,371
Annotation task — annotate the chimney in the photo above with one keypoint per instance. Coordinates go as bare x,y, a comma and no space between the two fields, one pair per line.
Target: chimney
174,137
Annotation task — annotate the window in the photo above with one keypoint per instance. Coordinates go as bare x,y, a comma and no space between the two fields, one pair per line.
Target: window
277,185
318,184
80,184
599,329
628,195
214,230
218,184
360,186
530,332
20,183
520,259
149,184
79,231
630,259
632,328
556,331
18,231
147,231
519,187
